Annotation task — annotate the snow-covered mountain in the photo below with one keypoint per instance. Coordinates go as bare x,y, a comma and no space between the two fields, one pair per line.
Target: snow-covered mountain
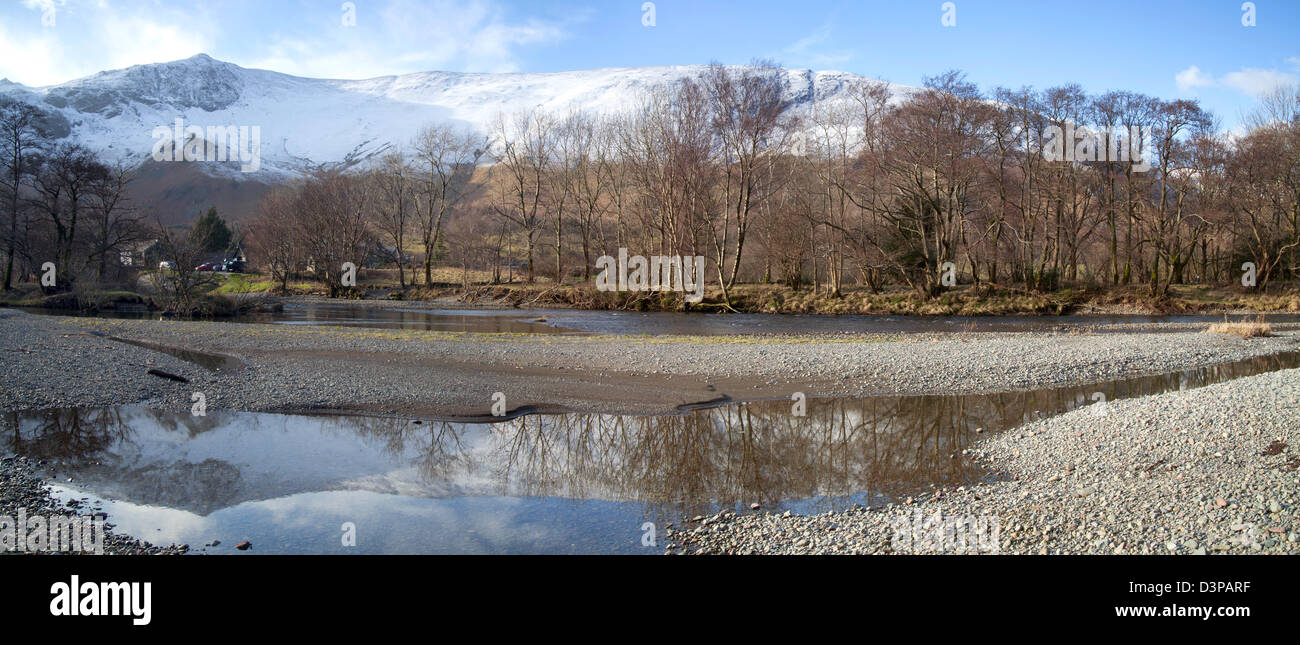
305,122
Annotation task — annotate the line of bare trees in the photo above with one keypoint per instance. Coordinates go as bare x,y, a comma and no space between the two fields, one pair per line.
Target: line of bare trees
404,200
875,187
61,205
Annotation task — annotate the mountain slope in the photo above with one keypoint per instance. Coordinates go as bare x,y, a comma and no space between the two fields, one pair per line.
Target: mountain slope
307,123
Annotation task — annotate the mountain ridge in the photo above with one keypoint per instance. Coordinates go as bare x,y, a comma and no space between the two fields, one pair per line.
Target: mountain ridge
307,123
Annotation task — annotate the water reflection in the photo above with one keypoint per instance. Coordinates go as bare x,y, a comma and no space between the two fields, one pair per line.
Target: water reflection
618,469
455,320
573,321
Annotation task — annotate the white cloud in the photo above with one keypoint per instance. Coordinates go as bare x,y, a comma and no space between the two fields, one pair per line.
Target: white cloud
808,50
1192,77
93,36
134,39
392,37
30,58
1250,80
408,36
42,5
1257,82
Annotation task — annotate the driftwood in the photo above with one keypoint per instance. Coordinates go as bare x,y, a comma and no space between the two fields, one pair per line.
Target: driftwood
169,376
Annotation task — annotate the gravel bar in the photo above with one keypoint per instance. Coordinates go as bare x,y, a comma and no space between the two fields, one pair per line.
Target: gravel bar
58,362
1207,470
1181,472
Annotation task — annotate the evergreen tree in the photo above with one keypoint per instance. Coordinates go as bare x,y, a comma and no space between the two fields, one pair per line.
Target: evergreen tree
211,232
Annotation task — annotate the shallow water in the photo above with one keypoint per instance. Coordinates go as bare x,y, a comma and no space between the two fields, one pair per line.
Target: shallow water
568,483
571,321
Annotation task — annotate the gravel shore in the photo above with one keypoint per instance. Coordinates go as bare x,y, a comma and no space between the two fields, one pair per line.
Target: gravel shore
1181,472
21,487
59,362
1209,470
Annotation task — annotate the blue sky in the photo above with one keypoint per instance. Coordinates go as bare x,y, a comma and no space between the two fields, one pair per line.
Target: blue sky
1175,48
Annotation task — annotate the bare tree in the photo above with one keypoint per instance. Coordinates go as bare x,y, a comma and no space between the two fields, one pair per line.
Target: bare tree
114,221
64,183
275,235
20,136
181,286
526,148
393,199
750,120
335,230
446,159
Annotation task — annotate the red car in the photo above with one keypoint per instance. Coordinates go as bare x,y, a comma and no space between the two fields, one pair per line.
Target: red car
207,266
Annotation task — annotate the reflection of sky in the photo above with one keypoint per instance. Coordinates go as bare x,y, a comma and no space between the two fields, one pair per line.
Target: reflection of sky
539,484
297,479
235,457
654,323
311,523
568,321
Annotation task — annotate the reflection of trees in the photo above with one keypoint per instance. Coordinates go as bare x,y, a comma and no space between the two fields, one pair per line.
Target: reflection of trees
71,435
435,449
757,452
82,435
84,440
189,424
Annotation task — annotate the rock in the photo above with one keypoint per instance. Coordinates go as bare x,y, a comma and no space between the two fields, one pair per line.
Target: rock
244,546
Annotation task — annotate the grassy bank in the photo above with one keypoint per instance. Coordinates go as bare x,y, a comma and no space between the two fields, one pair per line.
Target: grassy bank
960,301
235,293
96,299
964,300
88,300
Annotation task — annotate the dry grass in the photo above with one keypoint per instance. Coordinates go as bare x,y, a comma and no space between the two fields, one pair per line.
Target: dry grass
1243,329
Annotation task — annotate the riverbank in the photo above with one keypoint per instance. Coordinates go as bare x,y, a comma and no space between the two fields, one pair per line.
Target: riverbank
234,293
963,300
1210,470
68,362
93,300
73,362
